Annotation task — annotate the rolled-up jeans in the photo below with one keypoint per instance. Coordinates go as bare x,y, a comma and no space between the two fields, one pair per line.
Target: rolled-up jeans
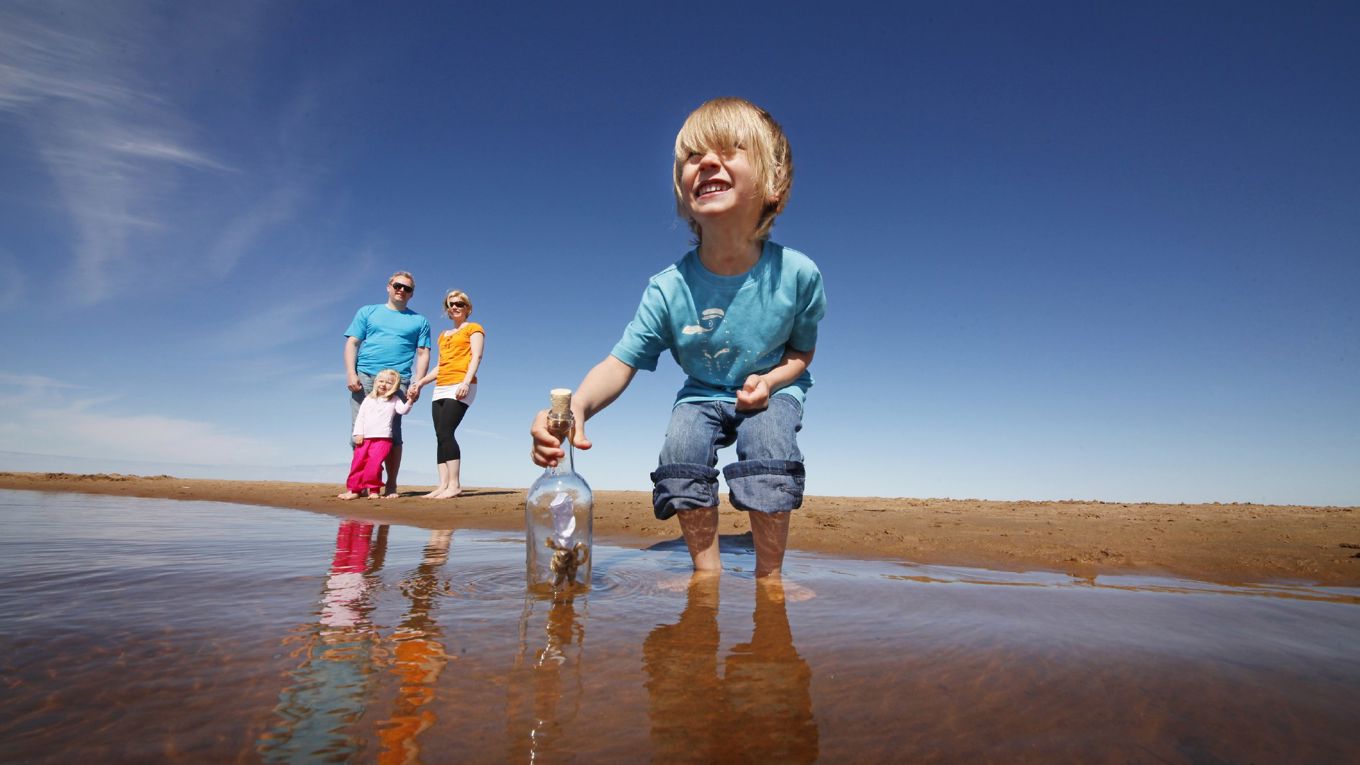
768,475
356,399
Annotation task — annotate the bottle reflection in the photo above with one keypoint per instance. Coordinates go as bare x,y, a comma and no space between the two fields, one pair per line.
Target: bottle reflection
546,682
759,710
329,690
418,656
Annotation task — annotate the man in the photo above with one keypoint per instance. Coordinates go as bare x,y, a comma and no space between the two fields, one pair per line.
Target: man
387,336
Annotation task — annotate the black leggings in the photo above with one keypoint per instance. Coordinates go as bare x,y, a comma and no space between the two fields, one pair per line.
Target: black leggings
448,412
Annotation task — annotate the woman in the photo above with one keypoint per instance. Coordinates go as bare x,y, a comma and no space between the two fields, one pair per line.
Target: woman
455,387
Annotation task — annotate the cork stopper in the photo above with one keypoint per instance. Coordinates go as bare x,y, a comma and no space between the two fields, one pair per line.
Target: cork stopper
559,418
561,401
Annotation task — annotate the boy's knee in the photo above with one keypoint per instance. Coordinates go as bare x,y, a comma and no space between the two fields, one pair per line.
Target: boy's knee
683,486
766,486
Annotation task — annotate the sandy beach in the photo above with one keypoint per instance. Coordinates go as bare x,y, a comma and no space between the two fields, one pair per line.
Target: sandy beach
1224,543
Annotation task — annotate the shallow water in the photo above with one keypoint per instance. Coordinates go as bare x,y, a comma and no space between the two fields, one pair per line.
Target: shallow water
151,630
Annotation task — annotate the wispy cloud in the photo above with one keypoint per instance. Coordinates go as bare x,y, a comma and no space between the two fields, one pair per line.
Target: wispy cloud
281,324
242,233
146,147
270,322
112,144
76,432
48,416
29,384
486,434
11,279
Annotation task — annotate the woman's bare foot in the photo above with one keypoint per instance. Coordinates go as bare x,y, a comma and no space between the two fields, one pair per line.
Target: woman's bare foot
389,495
434,494
347,495
447,493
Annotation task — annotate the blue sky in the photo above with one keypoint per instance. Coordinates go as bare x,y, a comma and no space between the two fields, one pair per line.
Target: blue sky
1072,250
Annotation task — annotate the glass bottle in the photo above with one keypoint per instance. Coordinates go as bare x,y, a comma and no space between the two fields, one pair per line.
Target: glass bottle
558,514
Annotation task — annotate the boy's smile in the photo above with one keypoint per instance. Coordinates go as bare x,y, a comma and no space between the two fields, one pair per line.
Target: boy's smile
711,187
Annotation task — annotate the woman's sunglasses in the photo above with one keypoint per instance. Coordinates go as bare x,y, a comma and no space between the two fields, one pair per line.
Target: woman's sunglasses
456,304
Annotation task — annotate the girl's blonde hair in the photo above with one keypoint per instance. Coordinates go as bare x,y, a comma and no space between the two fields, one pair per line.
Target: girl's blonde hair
735,123
386,372
457,293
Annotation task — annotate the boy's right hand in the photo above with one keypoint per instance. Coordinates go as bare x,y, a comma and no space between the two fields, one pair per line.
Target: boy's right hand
358,440
547,448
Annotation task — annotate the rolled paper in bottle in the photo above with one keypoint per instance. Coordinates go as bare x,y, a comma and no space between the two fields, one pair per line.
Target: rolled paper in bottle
562,510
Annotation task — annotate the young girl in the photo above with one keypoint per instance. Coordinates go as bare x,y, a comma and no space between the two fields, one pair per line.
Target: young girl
373,435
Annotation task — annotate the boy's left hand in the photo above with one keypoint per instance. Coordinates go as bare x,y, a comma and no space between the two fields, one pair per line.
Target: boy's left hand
754,394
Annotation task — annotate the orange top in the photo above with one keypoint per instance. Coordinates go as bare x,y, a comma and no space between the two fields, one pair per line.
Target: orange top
455,353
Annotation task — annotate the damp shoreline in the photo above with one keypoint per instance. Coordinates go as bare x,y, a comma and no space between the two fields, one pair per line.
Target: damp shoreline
1222,543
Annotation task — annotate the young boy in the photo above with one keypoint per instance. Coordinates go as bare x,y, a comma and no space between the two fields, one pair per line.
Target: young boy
739,314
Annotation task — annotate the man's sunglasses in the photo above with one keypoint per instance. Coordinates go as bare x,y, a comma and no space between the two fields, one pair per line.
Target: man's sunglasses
403,287
456,304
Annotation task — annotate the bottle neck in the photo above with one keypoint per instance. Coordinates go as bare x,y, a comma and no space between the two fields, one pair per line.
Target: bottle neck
561,426
568,462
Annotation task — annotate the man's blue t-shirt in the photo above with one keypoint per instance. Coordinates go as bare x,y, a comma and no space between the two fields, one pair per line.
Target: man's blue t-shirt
388,339
721,329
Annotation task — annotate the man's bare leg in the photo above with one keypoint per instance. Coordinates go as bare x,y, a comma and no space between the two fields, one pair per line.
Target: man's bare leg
700,527
770,532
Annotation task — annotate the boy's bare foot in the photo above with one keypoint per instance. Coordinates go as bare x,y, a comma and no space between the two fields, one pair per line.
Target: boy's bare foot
432,495
389,495
347,495
448,493
682,582
781,590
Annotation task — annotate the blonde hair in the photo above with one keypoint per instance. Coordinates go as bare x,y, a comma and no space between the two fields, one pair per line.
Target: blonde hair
735,123
386,372
457,293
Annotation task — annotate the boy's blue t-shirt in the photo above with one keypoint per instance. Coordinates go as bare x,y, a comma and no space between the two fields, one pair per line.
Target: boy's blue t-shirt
721,329
388,339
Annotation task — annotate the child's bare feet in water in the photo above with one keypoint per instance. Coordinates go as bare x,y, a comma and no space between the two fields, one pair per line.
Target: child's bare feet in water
781,590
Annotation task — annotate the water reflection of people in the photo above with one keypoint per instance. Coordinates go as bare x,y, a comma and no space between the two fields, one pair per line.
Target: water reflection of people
760,710
329,690
546,683
418,657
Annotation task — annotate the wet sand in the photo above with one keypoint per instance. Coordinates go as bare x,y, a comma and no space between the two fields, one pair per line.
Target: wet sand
1224,543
